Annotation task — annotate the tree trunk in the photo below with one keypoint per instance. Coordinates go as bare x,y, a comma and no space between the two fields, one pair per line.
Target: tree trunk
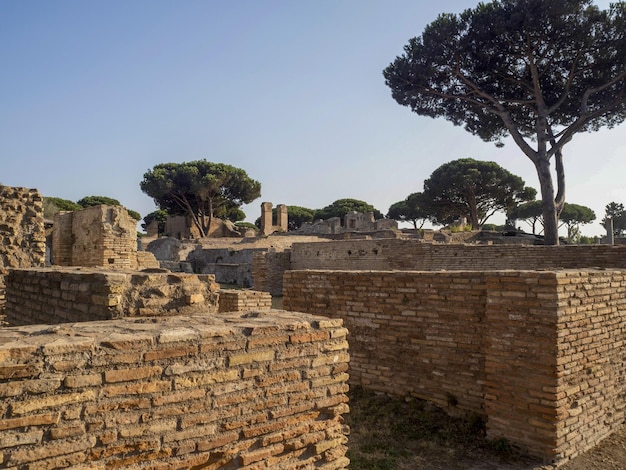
550,224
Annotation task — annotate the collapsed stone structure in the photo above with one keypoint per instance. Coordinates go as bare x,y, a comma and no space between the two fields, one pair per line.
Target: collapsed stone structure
98,236
352,222
22,233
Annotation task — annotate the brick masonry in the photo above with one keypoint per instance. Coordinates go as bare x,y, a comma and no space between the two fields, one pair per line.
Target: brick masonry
59,295
268,268
239,300
253,391
98,236
411,255
538,353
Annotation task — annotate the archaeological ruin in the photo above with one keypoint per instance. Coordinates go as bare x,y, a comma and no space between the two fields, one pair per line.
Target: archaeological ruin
119,357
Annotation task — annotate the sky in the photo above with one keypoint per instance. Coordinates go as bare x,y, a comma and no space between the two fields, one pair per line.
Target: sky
96,93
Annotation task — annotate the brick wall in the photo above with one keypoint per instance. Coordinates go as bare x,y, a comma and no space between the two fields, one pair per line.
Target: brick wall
539,353
59,295
390,254
242,391
232,300
96,236
268,268
22,234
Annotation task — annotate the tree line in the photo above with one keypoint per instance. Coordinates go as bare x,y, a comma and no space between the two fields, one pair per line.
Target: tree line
535,71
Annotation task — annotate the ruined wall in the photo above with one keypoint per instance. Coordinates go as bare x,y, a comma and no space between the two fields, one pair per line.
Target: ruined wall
390,254
267,270
232,300
539,353
96,236
59,295
241,391
22,233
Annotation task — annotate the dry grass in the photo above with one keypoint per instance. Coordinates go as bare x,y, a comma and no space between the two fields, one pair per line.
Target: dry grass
392,433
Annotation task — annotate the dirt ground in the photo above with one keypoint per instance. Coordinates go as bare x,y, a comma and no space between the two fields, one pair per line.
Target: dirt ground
394,434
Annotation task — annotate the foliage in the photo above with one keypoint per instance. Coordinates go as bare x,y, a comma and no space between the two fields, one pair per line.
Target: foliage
200,189
298,215
539,71
530,212
473,189
341,207
160,216
52,205
615,211
573,216
247,225
413,209
89,201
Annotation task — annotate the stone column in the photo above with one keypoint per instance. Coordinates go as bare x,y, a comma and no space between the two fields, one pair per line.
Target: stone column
282,217
266,218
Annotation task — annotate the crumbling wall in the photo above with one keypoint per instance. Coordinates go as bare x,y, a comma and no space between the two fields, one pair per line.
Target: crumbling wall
101,235
22,233
59,295
539,353
240,391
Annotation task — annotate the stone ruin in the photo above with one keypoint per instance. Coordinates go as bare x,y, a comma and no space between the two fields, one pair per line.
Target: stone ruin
267,221
534,350
353,222
144,367
22,234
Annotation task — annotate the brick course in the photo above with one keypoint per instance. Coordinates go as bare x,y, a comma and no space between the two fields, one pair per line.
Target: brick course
538,353
60,295
184,401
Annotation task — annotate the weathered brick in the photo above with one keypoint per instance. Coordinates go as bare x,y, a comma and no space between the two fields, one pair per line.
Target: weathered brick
35,404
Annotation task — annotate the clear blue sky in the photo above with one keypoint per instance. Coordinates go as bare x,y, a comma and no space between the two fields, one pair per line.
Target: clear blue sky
95,93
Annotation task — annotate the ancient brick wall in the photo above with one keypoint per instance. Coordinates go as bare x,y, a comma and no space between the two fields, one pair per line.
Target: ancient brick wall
22,233
239,391
232,300
391,254
418,334
96,236
539,353
267,270
59,295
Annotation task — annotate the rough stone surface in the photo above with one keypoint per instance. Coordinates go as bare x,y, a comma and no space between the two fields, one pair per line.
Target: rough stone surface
59,295
22,234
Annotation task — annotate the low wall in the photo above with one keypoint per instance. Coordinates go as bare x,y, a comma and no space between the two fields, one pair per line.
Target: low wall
232,300
390,254
239,391
59,295
538,353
